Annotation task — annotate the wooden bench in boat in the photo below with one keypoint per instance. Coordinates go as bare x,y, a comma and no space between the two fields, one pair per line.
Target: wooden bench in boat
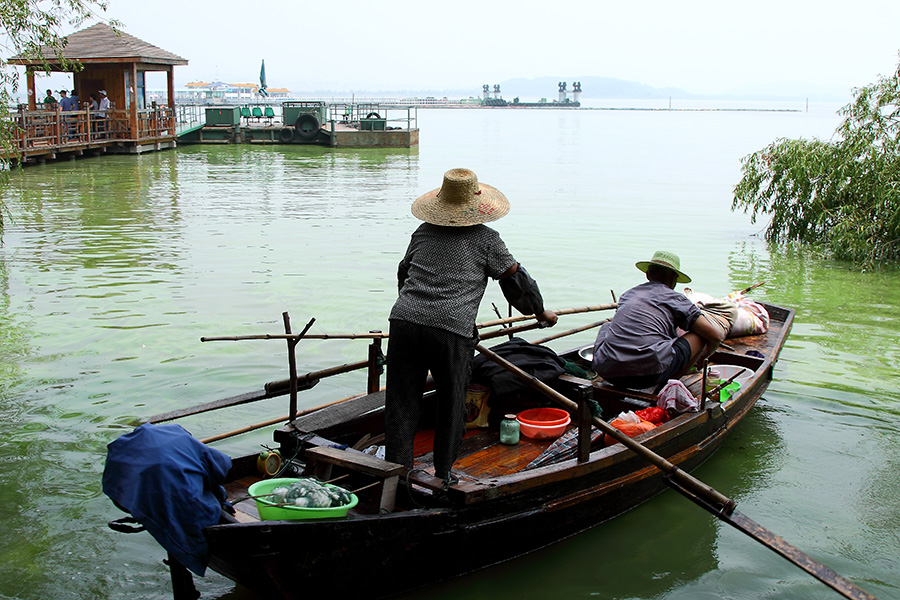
322,459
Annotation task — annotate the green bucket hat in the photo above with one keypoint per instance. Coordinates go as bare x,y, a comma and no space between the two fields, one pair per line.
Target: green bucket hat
665,259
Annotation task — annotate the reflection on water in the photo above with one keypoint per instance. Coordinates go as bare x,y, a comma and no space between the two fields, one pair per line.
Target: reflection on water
112,268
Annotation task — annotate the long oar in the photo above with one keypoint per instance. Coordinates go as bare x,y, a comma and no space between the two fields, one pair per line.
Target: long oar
704,495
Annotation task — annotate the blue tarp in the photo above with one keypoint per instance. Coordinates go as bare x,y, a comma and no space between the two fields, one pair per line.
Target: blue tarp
171,483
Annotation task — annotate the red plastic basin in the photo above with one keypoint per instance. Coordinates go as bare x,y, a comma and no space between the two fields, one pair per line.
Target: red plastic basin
544,417
543,423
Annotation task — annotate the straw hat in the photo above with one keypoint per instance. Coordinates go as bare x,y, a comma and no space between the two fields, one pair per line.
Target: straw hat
102,92
665,259
461,201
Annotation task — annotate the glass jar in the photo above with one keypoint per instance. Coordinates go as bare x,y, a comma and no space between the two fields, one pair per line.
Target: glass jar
509,430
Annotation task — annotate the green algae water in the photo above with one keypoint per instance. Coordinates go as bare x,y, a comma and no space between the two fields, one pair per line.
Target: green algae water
112,268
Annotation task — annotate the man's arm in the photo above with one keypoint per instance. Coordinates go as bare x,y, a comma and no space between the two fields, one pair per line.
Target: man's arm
712,335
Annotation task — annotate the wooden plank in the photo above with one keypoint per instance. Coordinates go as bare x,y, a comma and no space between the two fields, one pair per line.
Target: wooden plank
355,460
497,460
340,413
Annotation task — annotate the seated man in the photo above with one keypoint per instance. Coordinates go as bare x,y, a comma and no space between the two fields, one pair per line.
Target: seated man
640,347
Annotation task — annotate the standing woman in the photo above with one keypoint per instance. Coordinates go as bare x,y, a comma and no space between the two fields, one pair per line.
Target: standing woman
441,282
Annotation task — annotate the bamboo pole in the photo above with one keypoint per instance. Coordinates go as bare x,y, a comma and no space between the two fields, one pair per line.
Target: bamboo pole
308,336
283,386
556,336
382,335
284,419
559,313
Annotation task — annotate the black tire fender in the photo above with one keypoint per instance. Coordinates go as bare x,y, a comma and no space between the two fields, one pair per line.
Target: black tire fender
286,134
306,127
373,115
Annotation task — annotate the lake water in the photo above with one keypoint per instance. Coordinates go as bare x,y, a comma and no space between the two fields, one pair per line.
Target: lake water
112,268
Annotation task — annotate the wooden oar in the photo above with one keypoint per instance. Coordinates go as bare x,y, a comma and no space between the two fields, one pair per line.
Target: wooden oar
704,495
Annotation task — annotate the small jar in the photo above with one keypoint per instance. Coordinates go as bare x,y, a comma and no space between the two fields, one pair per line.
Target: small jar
509,430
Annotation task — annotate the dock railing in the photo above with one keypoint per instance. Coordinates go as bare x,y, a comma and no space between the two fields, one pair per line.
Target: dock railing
375,115
46,130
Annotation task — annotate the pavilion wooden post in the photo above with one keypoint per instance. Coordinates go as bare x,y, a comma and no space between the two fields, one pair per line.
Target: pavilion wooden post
133,112
32,91
170,88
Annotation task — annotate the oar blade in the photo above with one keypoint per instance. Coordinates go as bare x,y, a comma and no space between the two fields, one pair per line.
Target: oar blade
777,544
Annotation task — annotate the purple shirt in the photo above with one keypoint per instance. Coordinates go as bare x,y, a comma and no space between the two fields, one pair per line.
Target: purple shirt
639,339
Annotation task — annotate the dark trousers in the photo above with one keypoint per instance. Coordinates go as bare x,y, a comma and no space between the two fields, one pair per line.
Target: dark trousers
413,351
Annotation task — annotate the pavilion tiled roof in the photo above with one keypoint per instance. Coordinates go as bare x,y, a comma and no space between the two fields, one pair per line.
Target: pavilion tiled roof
101,44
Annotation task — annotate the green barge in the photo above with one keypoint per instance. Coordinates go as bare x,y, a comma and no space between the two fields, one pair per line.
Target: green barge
337,125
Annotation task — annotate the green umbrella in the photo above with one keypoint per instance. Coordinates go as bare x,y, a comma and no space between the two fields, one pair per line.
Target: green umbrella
262,79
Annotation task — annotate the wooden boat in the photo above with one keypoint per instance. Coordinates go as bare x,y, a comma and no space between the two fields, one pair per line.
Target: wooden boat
407,531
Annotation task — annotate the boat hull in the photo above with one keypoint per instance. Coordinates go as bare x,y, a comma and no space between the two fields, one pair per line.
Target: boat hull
382,555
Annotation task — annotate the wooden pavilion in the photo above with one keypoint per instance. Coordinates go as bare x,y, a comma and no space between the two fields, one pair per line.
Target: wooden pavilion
112,61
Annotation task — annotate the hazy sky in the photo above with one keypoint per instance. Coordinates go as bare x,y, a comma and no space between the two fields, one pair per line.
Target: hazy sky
699,46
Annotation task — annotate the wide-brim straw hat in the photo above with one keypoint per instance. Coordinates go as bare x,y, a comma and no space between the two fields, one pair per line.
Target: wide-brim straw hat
665,259
461,201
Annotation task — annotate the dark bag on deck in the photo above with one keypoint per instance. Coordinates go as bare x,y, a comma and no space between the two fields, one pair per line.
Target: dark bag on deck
541,362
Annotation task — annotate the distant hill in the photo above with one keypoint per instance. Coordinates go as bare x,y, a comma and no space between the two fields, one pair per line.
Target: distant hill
532,89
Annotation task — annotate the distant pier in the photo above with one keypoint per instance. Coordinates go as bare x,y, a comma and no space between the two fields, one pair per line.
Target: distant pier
336,125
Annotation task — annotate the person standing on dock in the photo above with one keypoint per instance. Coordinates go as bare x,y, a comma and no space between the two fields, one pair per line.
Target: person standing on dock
103,104
441,281
50,102
66,103
102,107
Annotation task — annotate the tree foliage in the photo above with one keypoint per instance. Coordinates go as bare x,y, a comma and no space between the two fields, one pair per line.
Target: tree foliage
843,194
25,27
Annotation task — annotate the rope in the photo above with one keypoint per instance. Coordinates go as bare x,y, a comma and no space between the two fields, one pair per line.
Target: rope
409,486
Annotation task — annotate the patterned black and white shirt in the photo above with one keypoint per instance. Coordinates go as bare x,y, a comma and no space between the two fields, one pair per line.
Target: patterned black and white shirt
444,274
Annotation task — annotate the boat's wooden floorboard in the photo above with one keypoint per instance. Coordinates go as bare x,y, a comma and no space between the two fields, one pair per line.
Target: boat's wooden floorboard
482,456
245,510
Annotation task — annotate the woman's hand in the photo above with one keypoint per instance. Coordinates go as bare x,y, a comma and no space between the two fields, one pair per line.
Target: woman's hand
548,317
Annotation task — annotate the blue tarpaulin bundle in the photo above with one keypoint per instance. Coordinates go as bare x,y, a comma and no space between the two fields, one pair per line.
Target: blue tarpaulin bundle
171,483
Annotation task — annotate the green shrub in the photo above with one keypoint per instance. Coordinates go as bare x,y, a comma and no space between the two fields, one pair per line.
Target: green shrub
842,195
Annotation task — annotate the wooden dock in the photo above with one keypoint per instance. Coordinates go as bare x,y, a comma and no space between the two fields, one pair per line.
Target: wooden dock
44,135
53,134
